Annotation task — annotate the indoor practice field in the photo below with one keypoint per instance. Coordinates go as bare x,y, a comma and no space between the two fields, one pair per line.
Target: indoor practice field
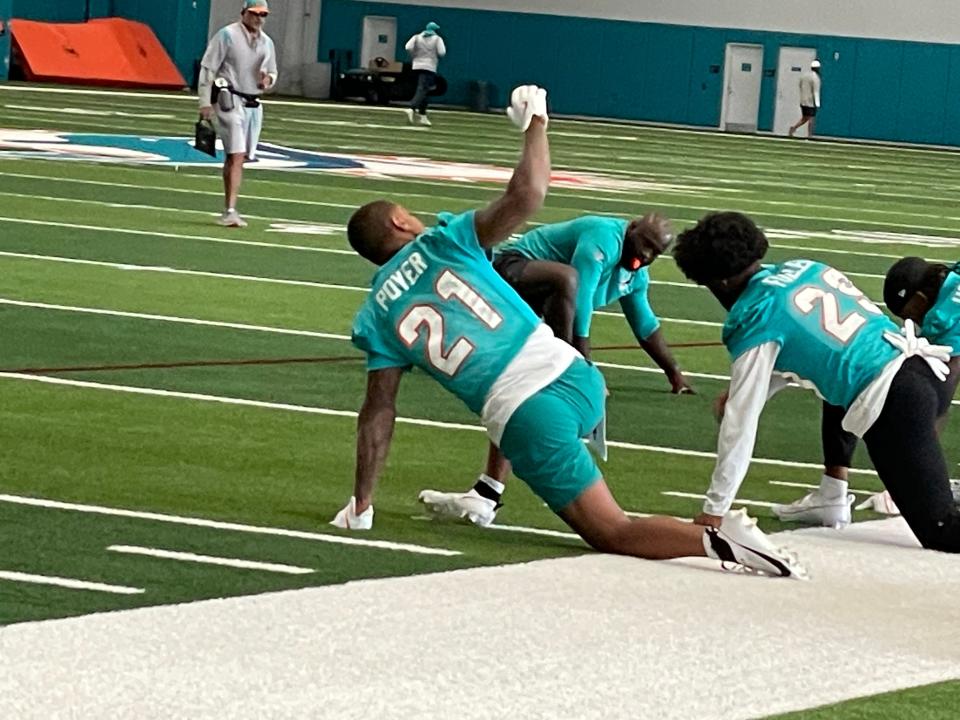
178,400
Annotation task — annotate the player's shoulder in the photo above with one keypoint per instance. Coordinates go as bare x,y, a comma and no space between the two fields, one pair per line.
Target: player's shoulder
460,229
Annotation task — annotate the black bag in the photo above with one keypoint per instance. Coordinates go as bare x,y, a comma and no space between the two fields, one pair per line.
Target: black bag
205,138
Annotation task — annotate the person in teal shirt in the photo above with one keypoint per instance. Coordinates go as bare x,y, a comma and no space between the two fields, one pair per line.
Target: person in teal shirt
928,294
565,271
436,303
805,322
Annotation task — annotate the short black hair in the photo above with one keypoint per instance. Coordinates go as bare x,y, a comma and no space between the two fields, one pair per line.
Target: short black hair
907,277
721,245
368,229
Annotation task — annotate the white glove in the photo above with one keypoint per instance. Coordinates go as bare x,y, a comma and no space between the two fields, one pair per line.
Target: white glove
527,101
349,520
880,502
907,342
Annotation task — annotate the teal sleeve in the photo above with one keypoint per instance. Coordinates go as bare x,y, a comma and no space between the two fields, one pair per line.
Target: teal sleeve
380,355
587,260
640,316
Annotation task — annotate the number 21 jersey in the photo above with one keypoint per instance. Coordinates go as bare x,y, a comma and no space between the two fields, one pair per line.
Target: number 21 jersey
439,305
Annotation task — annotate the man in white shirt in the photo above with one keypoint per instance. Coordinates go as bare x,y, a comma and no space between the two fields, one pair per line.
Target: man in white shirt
809,99
240,64
425,48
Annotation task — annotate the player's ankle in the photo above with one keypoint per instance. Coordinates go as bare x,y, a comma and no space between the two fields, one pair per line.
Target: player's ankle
489,488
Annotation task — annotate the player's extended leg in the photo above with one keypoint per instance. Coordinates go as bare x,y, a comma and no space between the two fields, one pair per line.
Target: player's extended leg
904,448
598,519
828,505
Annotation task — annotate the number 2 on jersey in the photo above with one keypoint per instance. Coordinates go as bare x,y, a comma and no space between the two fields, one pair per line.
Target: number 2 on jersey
842,329
428,318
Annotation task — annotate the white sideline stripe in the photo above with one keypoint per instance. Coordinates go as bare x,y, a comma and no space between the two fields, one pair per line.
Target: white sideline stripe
167,188
175,271
175,236
68,583
704,323
535,531
738,501
640,368
808,486
352,414
210,559
220,525
173,319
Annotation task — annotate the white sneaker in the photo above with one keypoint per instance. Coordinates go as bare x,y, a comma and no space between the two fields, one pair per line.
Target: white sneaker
424,120
814,509
412,116
739,540
469,506
231,218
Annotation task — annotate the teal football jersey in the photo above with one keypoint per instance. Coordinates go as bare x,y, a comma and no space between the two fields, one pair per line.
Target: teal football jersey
941,324
593,245
439,305
830,335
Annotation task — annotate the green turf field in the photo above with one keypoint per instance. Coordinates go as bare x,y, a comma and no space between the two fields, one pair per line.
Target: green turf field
103,264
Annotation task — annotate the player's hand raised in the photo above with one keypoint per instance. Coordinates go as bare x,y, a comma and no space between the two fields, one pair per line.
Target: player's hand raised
527,102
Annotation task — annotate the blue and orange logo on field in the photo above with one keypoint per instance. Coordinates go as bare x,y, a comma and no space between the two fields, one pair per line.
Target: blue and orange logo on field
179,151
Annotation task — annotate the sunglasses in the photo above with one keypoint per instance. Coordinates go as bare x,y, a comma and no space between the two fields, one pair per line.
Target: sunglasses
259,13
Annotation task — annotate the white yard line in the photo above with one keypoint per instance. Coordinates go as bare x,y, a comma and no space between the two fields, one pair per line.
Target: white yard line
220,525
738,501
70,583
352,414
175,271
176,236
173,319
210,560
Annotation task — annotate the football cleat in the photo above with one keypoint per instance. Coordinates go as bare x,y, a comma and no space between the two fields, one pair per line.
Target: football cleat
815,509
424,120
739,540
231,218
412,117
469,506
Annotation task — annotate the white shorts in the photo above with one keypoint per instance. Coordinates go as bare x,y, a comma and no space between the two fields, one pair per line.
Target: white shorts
240,129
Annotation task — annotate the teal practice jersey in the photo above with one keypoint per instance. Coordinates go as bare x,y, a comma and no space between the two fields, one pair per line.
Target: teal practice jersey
941,324
439,305
593,245
830,335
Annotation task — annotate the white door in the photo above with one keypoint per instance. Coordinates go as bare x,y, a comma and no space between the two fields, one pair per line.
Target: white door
379,39
743,69
793,62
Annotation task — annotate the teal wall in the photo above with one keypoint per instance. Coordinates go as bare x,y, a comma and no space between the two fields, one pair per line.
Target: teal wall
6,7
877,89
60,10
180,25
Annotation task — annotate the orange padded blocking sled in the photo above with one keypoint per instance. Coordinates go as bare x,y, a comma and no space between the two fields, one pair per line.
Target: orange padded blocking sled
110,51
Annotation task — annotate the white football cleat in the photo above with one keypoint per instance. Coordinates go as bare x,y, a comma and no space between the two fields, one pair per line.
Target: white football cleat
411,116
231,218
739,540
469,506
814,509
424,120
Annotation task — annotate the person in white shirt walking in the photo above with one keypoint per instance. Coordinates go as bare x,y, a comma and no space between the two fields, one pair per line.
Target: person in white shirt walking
809,99
425,48
241,63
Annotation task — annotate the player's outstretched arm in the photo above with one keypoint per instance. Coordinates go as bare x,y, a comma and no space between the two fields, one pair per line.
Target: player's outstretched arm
656,347
374,433
527,188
